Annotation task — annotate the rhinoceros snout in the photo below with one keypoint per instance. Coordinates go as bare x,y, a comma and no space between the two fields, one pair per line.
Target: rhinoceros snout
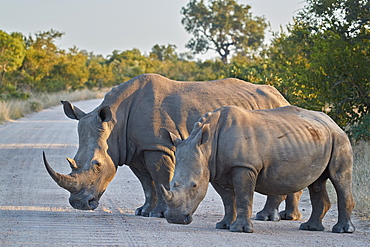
182,219
85,204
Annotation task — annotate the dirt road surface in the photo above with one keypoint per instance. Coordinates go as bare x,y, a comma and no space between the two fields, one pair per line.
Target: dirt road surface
34,211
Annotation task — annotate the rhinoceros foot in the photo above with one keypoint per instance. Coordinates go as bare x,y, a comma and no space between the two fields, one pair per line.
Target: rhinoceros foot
223,225
158,211
348,227
312,226
242,225
290,215
156,214
266,215
141,212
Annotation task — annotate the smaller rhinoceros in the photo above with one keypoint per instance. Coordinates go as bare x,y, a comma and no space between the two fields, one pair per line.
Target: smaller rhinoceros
274,152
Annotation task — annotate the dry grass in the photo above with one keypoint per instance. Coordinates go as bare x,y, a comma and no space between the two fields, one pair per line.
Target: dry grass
14,109
361,177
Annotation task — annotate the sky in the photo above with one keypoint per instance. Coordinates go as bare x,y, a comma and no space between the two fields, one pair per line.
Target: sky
102,26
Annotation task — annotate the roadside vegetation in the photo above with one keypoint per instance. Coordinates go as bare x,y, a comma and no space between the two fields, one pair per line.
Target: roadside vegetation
14,108
361,177
319,62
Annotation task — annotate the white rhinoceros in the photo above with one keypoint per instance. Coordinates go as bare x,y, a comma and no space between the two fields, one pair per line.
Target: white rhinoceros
274,152
127,128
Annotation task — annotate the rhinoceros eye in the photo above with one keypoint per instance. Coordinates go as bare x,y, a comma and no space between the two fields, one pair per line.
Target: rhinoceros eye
96,166
95,162
176,184
193,184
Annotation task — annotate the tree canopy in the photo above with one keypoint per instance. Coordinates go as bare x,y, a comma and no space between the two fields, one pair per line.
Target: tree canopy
330,61
223,26
12,52
321,62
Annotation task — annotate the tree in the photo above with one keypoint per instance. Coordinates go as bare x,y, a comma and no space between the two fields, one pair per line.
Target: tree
323,62
41,56
223,26
164,52
100,73
131,63
350,19
12,52
70,72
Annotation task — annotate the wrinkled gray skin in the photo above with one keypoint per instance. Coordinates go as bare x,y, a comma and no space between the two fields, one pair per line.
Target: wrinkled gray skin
127,128
274,152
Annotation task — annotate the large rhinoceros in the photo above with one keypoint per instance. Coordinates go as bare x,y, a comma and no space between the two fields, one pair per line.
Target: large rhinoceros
274,152
127,128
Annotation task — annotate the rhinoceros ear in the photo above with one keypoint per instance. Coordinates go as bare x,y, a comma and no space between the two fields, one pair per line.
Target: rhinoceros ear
105,114
203,135
72,111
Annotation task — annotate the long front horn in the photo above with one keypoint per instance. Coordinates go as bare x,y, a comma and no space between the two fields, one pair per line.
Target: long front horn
168,195
65,181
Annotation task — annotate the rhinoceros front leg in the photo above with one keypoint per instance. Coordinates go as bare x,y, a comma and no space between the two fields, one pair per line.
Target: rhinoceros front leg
228,199
161,167
244,182
149,192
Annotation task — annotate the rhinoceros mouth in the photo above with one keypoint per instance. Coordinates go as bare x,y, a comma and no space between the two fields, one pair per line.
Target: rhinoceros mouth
84,204
183,219
83,201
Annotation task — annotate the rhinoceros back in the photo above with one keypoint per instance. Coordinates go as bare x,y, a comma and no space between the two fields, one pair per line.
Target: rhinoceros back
150,102
279,144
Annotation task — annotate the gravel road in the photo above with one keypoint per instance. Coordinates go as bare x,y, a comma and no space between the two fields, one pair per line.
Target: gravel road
34,211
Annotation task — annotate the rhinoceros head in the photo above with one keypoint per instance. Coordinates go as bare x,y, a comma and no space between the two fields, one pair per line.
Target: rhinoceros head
92,166
191,177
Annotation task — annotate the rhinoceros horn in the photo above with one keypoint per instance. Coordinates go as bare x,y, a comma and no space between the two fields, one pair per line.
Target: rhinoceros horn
168,195
65,181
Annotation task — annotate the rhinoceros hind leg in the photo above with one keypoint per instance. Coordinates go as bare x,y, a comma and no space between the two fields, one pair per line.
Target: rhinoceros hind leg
345,206
291,211
340,170
265,215
320,204
270,210
290,215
